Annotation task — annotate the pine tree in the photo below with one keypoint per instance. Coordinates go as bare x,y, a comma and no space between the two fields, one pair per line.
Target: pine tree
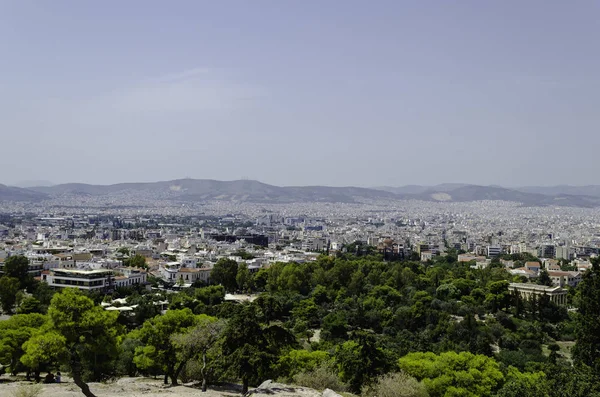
587,347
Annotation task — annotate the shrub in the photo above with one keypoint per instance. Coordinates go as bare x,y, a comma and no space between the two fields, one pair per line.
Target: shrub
397,384
321,378
33,390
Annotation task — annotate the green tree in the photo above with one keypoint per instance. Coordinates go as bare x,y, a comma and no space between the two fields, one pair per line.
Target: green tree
9,286
83,337
159,349
125,363
198,341
224,273
524,384
14,332
544,278
294,362
249,349
136,261
242,277
360,360
18,267
47,350
587,348
454,374
43,293
499,297
29,305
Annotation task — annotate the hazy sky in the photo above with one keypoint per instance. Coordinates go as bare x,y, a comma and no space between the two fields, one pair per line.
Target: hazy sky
301,92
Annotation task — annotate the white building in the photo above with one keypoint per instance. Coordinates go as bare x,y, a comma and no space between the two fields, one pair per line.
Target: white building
102,279
314,244
130,276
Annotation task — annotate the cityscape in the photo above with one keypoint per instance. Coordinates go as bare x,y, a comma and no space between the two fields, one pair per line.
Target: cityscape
299,198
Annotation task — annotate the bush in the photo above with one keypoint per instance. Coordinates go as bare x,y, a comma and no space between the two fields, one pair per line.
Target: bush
395,385
33,390
321,378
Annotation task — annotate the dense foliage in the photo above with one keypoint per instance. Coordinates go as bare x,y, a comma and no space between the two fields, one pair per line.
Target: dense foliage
442,328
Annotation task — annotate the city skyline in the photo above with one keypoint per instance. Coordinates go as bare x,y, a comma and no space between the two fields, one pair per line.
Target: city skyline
336,94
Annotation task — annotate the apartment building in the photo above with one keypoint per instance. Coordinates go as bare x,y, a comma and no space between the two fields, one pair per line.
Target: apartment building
101,279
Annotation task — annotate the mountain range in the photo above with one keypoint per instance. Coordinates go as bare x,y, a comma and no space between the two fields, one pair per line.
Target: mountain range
254,191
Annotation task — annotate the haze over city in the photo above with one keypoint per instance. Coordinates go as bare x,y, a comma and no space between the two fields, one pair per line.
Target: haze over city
300,93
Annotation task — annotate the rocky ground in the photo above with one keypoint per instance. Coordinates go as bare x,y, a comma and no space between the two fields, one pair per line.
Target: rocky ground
138,387
125,387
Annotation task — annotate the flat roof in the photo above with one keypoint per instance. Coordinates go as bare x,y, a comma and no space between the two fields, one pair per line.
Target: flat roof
536,287
81,271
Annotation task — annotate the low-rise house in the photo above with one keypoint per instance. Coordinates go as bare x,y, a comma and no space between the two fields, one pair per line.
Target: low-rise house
551,264
130,276
534,266
191,275
427,255
561,278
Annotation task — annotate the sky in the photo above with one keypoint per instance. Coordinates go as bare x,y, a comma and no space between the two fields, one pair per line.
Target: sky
311,92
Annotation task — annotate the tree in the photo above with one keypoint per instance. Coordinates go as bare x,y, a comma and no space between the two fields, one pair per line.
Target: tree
249,349
198,341
225,272
242,277
245,347
125,363
45,350
29,305
296,361
587,347
159,349
454,374
43,293
18,267
335,326
360,360
83,337
9,286
524,384
544,278
14,332
499,297
136,261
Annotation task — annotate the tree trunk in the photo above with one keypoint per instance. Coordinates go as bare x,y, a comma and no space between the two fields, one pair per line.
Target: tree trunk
203,373
175,376
85,389
245,385
166,379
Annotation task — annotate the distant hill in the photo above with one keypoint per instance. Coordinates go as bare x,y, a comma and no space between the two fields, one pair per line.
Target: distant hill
258,192
418,189
589,190
207,189
464,193
10,193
